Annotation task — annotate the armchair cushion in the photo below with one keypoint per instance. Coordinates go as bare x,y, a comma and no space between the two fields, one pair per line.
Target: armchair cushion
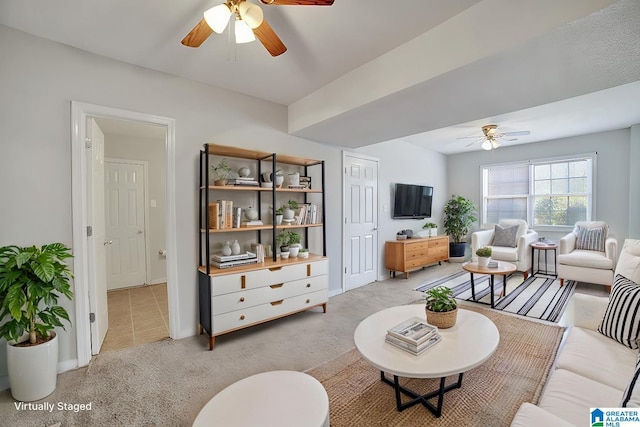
505,236
629,261
631,395
621,320
591,238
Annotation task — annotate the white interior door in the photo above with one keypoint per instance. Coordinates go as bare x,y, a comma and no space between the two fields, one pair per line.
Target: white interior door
125,227
361,220
97,242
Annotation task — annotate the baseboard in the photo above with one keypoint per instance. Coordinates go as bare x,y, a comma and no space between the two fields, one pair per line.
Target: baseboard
158,281
335,292
67,365
457,259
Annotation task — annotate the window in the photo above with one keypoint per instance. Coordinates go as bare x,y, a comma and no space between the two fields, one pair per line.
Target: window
555,193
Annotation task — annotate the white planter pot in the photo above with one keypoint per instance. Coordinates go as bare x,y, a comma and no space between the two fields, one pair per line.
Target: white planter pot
289,214
33,371
293,250
483,261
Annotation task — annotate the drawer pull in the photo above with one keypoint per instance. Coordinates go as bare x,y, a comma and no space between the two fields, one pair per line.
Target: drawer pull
275,268
308,285
279,285
242,317
274,303
308,269
241,299
308,300
243,281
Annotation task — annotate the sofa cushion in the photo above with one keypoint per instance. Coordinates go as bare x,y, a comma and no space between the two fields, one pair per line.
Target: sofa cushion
505,236
569,396
592,355
631,395
590,238
530,415
621,320
629,262
587,259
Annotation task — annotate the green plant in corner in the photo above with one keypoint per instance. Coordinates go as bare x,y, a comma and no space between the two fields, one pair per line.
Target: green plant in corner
31,280
221,170
440,299
484,252
459,215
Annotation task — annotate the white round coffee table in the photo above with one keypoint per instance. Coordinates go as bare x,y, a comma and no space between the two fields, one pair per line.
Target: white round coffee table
468,344
269,399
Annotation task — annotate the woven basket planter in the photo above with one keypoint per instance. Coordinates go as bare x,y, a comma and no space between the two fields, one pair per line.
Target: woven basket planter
442,319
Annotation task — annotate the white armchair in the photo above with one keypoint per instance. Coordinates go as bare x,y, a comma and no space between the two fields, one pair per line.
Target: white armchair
515,250
588,254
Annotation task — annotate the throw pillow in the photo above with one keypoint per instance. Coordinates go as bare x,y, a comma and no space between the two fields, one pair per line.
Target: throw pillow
631,395
591,239
621,320
505,236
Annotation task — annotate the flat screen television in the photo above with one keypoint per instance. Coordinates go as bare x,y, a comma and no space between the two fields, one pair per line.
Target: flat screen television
412,201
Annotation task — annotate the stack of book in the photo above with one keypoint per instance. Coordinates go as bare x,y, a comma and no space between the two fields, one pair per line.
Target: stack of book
243,180
414,336
308,214
226,261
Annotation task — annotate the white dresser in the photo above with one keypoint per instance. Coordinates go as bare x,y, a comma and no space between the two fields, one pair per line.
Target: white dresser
248,295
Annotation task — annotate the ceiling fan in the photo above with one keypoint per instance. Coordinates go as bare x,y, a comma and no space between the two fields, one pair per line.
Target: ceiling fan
490,140
249,23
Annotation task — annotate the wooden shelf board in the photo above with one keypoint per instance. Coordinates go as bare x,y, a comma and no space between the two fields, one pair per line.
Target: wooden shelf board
245,228
227,151
297,225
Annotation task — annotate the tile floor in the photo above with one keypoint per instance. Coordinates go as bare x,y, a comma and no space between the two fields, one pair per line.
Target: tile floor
137,316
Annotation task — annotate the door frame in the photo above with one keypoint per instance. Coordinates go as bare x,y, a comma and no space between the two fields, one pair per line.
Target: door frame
346,154
146,201
80,111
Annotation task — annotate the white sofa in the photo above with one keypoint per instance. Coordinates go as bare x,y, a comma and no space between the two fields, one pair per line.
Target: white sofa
591,370
520,254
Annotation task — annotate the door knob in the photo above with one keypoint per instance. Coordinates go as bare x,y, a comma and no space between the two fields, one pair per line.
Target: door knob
140,231
108,242
374,229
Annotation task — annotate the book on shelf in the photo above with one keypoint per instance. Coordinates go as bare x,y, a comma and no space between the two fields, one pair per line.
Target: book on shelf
251,223
226,258
237,217
251,260
492,264
258,249
214,216
415,331
414,349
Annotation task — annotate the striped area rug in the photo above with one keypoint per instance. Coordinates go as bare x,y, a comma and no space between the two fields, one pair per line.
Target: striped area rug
539,296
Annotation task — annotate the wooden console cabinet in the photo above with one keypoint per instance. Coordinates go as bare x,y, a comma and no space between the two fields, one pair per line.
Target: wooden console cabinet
411,254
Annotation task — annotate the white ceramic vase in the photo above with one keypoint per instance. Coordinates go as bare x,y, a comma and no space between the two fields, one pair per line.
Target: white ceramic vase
293,250
33,370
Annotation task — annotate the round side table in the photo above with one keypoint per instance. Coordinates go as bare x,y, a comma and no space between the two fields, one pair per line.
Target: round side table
541,246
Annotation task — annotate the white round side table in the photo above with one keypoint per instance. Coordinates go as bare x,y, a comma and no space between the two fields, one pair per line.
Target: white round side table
269,399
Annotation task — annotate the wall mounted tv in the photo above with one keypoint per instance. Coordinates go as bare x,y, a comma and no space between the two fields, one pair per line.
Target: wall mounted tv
412,201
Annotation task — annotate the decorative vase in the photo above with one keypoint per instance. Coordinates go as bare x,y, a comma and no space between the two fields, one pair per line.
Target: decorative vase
483,261
251,213
33,370
288,214
279,180
294,179
442,319
279,219
293,250
235,247
226,248
432,232
244,171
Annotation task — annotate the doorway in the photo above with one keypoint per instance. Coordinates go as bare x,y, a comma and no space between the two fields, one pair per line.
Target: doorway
87,297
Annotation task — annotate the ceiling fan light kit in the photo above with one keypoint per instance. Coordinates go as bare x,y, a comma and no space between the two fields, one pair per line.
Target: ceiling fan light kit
249,25
491,137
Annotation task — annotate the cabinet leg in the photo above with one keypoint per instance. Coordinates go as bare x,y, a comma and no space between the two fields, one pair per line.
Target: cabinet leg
212,341
526,274
324,307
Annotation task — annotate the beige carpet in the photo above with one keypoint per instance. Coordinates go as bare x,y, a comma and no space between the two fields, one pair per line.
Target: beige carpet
490,394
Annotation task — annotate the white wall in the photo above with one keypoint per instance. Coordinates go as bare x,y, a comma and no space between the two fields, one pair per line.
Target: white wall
38,80
401,162
151,150
612,182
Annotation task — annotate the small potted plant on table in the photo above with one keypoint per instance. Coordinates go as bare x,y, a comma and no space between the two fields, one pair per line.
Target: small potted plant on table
441,307
431,228
484,256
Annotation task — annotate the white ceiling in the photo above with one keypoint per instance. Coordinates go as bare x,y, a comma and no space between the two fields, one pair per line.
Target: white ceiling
367,71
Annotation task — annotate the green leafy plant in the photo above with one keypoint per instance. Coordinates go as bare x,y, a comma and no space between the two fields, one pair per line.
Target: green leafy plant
31,280
484,251
459,214
287,237
430,225
291,204
440,299
221,170
304,250
279,211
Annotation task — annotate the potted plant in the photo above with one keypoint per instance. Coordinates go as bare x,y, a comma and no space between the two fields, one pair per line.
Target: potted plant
431,228
286,238
441,307
221,172
289,210
459,215
279,215
31,281
303,253
484,256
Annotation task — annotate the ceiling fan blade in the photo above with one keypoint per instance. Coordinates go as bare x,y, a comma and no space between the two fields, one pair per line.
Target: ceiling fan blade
517,133
299,2
198,35
474,142
467,137
269,39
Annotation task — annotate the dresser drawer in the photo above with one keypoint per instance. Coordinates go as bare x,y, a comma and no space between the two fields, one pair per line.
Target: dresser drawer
264,312
417,246
251,297
236,282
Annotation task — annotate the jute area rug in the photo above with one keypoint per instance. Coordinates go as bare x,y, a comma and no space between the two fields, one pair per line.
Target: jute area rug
540,297
490,394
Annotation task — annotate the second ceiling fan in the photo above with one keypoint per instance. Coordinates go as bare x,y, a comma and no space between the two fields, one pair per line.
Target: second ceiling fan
249,23
492,137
